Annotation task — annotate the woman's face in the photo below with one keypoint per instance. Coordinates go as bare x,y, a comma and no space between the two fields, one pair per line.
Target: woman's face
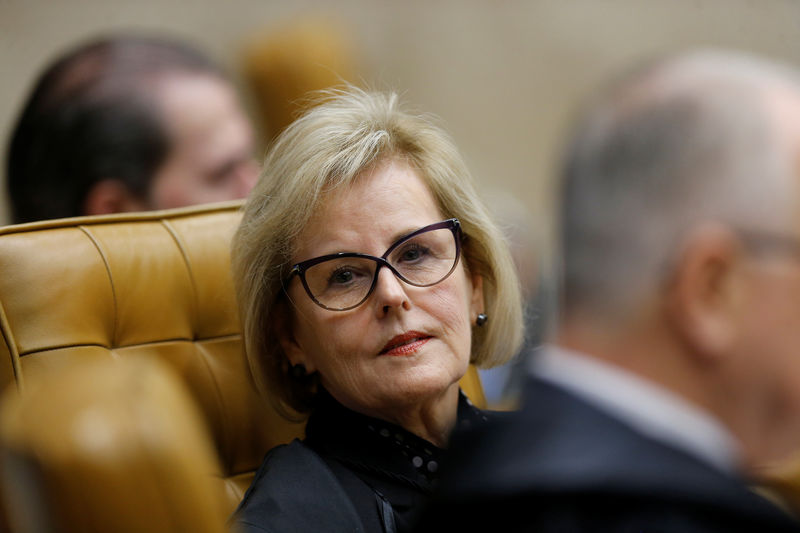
404,345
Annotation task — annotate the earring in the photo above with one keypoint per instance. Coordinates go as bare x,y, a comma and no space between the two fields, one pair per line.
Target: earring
298,371
481,319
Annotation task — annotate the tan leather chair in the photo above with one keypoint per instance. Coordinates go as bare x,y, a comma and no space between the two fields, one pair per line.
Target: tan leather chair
154,285
109,446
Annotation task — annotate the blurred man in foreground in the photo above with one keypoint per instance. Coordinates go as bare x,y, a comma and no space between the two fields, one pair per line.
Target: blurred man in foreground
676,366
128,123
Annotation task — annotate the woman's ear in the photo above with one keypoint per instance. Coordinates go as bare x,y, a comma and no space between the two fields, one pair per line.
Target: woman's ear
476,302
283,325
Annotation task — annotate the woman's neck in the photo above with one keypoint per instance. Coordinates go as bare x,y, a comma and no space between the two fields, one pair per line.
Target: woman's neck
432,420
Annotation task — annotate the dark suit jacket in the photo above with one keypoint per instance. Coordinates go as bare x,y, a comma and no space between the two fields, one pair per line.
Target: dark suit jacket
560,464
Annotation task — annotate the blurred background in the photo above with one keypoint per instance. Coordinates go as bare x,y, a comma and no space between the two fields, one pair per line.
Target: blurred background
504,76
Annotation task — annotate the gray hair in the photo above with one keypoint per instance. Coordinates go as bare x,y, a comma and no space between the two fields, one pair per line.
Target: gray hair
679,142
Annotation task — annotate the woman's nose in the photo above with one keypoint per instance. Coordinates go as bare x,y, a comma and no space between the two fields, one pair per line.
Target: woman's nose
390,292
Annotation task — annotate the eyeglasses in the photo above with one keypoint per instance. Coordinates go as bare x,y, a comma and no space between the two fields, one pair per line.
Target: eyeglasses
761,242
425,257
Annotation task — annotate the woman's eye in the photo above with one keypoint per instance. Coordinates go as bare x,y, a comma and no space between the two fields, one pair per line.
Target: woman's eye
341,276
413,253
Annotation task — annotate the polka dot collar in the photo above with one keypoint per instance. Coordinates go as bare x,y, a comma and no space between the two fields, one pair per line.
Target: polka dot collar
374,445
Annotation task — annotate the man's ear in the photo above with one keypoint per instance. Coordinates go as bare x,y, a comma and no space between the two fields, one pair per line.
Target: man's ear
704,296
283,323
111,196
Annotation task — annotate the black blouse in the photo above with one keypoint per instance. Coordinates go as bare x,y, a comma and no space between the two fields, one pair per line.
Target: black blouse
381,466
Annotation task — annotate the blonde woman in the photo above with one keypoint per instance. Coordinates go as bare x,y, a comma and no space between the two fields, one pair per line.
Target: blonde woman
369,277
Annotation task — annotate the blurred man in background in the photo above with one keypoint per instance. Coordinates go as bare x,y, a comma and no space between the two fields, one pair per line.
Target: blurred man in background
128,123
501,384
676,366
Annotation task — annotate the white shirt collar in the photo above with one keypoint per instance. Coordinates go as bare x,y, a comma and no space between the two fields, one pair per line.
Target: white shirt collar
647,407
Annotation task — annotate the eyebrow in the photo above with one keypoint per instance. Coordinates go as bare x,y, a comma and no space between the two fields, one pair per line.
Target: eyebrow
396,237
399,235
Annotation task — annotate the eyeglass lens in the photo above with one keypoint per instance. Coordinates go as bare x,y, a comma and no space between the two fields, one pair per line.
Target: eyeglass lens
422,260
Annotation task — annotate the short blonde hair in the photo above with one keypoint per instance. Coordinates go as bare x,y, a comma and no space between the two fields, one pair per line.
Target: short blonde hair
350,131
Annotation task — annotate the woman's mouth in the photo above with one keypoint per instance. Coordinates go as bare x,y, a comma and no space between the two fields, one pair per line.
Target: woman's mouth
405,344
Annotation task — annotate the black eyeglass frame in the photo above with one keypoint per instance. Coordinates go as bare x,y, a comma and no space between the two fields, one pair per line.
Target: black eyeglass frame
300,268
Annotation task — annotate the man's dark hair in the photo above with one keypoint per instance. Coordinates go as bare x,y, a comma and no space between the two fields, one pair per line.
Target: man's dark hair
91,116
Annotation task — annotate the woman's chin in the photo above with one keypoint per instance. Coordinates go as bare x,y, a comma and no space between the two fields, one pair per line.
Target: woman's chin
415,388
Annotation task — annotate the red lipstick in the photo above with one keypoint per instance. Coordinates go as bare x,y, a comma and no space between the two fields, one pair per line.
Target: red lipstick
405,344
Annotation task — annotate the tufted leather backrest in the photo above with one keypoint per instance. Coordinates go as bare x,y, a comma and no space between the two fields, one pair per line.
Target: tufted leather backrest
151,284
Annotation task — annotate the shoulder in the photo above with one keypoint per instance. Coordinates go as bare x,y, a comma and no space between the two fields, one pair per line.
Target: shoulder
560,458
294,490
501,449
594,513
558,442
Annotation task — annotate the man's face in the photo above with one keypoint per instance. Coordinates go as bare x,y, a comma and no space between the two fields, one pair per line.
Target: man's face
211,143
770,347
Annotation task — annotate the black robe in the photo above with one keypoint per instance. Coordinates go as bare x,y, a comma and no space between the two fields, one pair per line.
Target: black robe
352,473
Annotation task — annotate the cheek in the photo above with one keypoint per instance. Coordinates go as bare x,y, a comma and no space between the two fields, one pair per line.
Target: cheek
449,303
775,317
330,341
773,342
172,188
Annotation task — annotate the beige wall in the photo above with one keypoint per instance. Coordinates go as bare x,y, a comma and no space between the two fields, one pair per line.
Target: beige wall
503,75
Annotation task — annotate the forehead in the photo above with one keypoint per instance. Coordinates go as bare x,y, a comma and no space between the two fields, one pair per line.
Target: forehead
378,207
391,185
783,107
199,109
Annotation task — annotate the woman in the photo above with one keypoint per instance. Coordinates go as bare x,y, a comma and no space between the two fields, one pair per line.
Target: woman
369,276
